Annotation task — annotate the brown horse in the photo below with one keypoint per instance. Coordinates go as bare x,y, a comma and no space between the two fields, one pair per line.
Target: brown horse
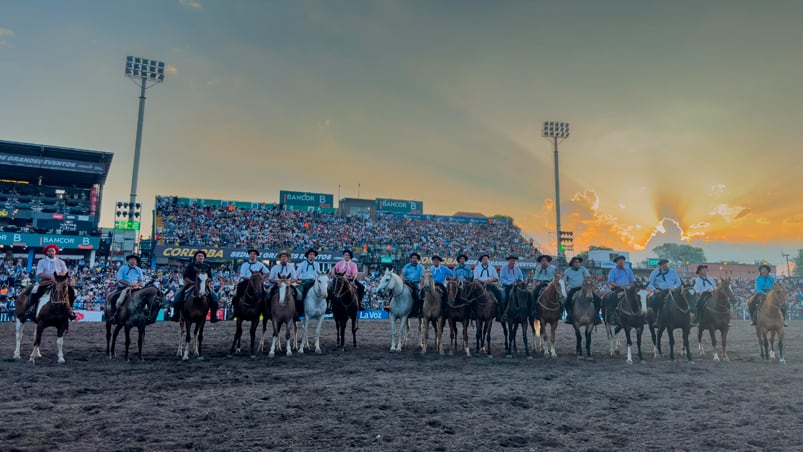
282,311
476,293
432,312
584,314
251,306
675,314
344,307
518,315
769,322
550,305
53,310
458,310
715,315
196,308
139,308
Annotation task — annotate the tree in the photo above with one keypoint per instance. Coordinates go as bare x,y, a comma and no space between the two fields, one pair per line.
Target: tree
679,254
798,264
584,254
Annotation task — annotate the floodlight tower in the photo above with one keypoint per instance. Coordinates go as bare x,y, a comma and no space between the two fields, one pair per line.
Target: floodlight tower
146,73
556,132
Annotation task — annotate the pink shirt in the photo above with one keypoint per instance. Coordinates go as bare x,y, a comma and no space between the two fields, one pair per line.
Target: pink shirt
347,268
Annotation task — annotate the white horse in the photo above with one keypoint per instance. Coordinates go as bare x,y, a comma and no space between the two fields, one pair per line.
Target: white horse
315,308
401,305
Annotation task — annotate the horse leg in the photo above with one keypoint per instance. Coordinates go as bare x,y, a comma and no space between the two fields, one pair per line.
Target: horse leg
579,349
588,341
37,339
304,338
405,331
318,335
60,342
452,336
199,340
392,333
686,343
19,325
712,333
489,326
671,335
140,339
658,351
772,344
780,346
180,338
108,339
127,340
287,336
424,342
466,346
524,338
276,330
479,334
238,332
700,349
639,332
553,339
354,329
264,333
629,346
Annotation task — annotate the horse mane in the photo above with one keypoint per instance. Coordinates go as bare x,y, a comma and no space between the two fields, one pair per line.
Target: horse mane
777,296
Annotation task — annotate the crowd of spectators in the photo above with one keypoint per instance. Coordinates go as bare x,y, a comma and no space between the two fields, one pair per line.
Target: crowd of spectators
216,226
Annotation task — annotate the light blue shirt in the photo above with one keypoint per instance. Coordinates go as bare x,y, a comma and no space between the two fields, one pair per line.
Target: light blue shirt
280,271
440,273
574,278
664,279
463,272
307,270
764,283
509,276
130,274
704,284
248,267
622,277
545,274
412,273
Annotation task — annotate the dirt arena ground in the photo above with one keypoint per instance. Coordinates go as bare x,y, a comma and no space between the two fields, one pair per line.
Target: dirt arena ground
371,399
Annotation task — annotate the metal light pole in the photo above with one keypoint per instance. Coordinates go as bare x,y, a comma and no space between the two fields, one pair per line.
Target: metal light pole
556,132
788,269
146,73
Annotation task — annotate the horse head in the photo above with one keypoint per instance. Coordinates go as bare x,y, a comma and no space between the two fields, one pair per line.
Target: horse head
321,286
778,296
726,290
385,282
255,283
452,288
61,289
588,287
200,285
426,279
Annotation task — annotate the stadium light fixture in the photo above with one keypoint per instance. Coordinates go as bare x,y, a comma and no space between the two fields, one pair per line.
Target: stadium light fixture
556,131
146,73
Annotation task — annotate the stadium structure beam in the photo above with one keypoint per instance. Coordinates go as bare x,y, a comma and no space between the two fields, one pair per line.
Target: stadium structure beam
556,132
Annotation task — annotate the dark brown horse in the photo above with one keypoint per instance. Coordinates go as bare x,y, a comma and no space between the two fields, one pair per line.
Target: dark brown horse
622,311
458,311
196,307
675,314
344,307
485,302
431,312
282,311
251,306
518,315
53,310
584,314
769,323
550,306
139,308
715,315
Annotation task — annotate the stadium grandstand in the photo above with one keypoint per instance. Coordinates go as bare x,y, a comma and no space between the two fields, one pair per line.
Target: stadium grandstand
384,234
50,194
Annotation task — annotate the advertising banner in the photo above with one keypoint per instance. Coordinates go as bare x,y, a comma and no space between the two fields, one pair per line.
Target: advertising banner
298,198
39,240
51,163
399,206
228,253
604,258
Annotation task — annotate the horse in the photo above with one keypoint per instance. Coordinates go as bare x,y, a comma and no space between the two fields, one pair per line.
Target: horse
715,315
624,313
53,310
584,314
675,314
401,305
194,312
550,304
251,307
518,314
282,311
432,312
458,310
344,307
477,294
139,308
769,322
315,308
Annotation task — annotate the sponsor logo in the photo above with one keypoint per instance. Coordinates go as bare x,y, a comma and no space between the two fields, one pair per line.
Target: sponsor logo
78,316
189,252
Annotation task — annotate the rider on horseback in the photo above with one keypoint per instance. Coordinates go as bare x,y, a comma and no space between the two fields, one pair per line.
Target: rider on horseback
286,271
764,284
509,275
463,272
190,274
348,268
704,287
620,278
544,273
308,271
130,276
252,265
487,275
574,277
440,274
411,275
45,269
662,280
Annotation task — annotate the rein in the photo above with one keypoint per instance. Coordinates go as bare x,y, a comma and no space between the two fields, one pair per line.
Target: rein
541,296
675,302
349,289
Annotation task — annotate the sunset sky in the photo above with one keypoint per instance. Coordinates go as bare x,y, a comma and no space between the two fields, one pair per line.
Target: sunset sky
685,116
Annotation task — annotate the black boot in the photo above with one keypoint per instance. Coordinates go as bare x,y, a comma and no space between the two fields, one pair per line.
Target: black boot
569,314
784,315
328,306
30,312
177,308
752,311
213,313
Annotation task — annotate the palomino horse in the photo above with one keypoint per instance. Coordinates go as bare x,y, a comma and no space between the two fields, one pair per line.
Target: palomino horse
196,307
53,310
623,312
251,307
344,307
485,302
550,304
769,322
715,315
675,314
584,314
432,312
518,314
140,307
282,311
458,310
401,305
315,308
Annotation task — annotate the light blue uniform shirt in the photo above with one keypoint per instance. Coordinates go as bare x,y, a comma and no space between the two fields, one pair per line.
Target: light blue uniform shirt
130,274
440,273
463,272
307,270
662,280
412,273
575,278
248,267
764,283
509,276
545,274
623,277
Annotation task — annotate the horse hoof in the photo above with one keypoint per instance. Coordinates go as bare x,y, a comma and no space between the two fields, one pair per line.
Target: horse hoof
318,351
589,359
630,361
62,361
200,358
271,355
579,357
300,351
509,356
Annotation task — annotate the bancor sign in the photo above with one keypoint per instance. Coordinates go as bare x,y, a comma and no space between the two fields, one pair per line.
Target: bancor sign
80,242
398,205
296,198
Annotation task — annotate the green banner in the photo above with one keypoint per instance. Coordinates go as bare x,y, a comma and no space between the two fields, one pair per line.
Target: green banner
39,240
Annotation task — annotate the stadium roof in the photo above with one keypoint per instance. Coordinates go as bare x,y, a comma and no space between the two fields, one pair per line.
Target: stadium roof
469,215
57,165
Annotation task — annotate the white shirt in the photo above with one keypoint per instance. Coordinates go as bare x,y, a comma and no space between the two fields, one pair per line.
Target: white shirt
280,271
49,266
248,267
704,284
483,273
308,270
